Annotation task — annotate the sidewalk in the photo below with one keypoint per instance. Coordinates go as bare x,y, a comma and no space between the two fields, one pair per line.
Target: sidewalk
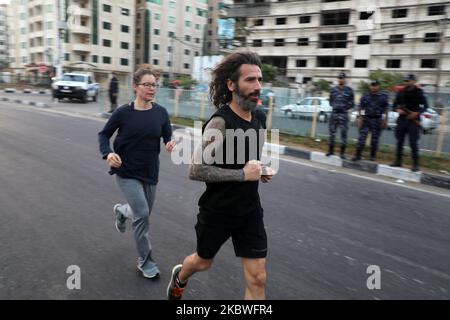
399,174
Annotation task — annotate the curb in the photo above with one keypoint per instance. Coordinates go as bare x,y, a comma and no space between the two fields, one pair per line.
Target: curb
320,157
27,102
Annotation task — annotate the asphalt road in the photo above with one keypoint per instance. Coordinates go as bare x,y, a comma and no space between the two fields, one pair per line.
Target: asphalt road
192,109
324,227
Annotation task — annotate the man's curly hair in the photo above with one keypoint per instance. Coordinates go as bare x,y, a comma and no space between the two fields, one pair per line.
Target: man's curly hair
229,68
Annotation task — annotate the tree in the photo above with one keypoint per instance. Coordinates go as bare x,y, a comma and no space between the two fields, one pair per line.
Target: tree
387,80
322,85
269,73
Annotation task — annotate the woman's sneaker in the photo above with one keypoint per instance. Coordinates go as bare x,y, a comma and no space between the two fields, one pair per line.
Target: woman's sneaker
150,271
121,220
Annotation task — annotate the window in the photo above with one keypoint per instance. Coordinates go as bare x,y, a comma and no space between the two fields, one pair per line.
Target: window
124,28
333,40
171,19
94,58
106,43
189,9
331,62
106,25
188,24
107,60
49,25
186,66
279,42
155,1
169,49
399,13
210,33
301,63
393,63
157,16
169,64
302,41
156,32
335,18
156,47
155,62
360,63
107,8
279,21
187,52
172,4
125,12
197,40
197,26
124,45
428,63
187,38
436,10
432,37
123,62
258,22
304,19
66,56
365,15
171,34
396,38
257,43
363,40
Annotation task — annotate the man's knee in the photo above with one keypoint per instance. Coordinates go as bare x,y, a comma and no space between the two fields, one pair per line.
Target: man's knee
257,278
200,263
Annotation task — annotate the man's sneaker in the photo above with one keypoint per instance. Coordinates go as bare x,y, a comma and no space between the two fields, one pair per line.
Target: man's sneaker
150,271
121,220
174,291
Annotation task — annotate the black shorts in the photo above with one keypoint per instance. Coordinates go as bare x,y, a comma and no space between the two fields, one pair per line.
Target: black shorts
249,239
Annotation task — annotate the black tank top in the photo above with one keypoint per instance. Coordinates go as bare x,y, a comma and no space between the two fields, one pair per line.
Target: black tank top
231,203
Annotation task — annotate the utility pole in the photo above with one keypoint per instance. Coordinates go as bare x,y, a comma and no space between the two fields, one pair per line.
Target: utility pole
62,28
440,57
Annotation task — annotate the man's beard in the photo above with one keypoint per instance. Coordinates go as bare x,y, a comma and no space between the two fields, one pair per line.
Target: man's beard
244,100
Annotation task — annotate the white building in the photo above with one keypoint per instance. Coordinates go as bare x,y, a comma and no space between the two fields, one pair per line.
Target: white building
169,34
4,55
97,35
317,39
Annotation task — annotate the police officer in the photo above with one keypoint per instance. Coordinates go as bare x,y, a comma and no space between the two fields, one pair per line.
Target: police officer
409,103
374,105
341,100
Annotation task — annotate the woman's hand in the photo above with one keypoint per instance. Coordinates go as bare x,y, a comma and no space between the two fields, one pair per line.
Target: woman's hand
171,145
114,160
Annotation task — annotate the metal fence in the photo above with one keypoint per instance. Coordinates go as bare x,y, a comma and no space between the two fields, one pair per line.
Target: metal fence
196,105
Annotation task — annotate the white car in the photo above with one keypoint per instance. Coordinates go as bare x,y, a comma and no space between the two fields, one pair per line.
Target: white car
75,85
429,120
305,108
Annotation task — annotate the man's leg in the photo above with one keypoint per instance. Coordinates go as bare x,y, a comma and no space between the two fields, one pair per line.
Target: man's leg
400,132
375,129
332,124
255,278
414,135
343,125
361,140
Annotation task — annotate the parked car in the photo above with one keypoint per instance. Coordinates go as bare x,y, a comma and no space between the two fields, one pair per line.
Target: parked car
429,120
76,86
265,98
305,108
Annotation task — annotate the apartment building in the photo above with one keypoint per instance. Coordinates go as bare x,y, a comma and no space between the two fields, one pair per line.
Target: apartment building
79,34
4,56
169,34
310,40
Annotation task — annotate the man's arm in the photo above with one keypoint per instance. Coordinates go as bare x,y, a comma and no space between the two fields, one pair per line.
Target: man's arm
424,102
351,105
200,171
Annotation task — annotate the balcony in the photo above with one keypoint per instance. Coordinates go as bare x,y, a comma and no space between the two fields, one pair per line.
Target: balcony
243,10
81,47
85,12
79,29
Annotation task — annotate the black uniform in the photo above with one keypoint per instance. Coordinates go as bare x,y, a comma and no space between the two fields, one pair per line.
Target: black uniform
413,100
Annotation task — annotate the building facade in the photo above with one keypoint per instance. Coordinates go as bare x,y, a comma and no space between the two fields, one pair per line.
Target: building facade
310,40
169,34
4,54
97,35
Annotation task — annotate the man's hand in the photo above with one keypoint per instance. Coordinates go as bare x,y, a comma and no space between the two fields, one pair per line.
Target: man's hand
114,160
252,170
267,174
413,116
171,145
